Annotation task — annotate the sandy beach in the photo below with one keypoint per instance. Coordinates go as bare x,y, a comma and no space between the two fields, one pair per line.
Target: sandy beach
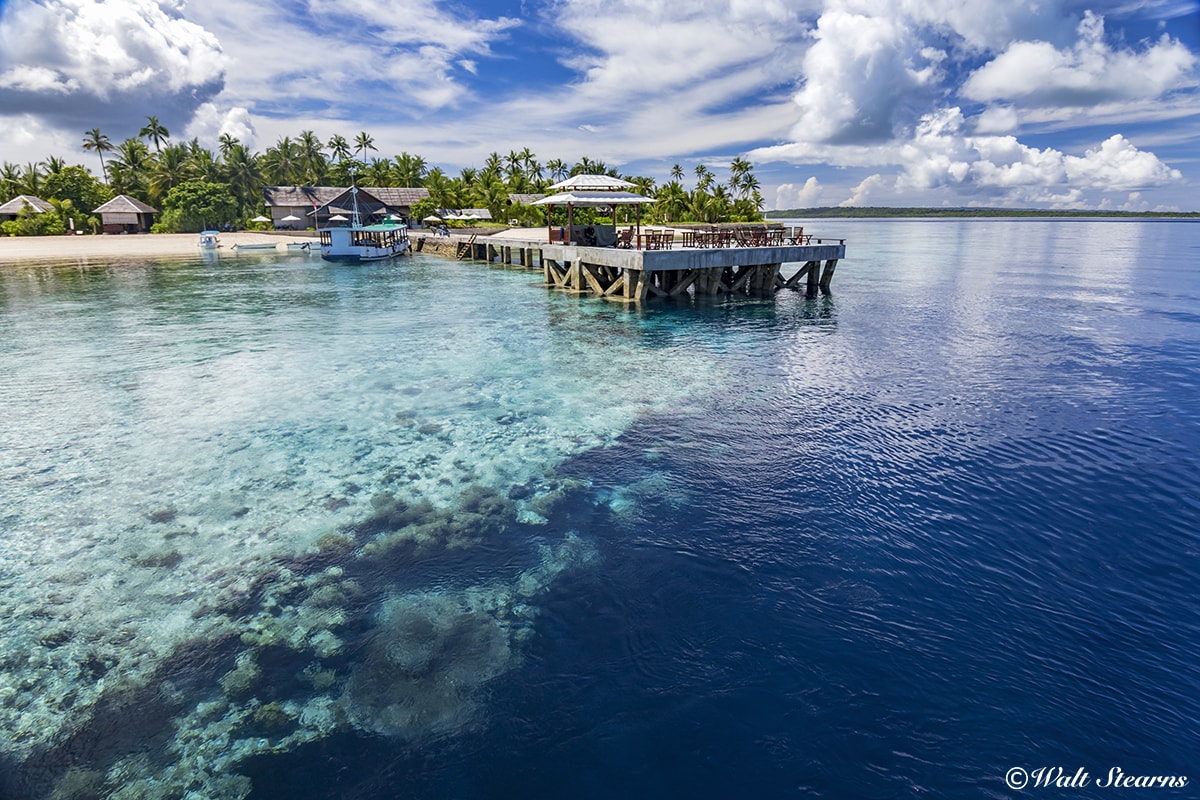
24,249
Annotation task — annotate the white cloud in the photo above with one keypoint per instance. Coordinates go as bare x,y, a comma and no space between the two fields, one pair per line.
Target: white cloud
1037,73
859,75
997,119
210,122
806,195
865,191
940,156
92,46
412,53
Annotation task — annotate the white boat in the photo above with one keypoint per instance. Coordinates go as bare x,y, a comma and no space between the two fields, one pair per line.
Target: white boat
209,240
357,242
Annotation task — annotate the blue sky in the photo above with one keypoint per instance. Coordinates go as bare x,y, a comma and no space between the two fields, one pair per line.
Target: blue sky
1048,103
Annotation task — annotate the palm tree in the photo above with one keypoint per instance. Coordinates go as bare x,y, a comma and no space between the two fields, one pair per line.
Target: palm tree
155,132
281,163
227,142
409,170
54,165
245,177
379,172
10,181
95,140
677,173
704,178
339,147
312,158
672,201
131,164
558,169
441,190
168,171
363,142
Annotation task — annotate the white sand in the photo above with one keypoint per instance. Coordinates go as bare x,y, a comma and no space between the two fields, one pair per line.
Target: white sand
16,249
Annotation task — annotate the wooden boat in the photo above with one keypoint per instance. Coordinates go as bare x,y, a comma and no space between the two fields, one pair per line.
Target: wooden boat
357,242
209,240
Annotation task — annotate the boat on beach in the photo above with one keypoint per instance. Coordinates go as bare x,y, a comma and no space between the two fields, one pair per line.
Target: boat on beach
357,242
210,240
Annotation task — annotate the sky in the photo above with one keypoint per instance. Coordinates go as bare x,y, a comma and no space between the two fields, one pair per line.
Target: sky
994,103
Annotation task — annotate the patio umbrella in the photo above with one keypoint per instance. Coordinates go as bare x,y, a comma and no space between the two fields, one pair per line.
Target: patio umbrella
261,218
432,218
290,218
337,218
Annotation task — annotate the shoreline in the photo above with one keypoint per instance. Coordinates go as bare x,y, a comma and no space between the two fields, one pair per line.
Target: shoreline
16,250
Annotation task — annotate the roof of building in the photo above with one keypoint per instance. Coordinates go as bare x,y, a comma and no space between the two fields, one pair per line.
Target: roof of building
15,205
398,195
591,183
124,204
296,196
524,199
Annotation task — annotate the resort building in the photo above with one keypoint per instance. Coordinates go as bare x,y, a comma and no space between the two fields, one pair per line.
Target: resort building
13,208
125,214
301,207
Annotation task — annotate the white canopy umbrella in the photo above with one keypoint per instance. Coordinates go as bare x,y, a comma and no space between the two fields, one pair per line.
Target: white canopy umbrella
290,218
261,218
591,183
593,198
337,218
432,218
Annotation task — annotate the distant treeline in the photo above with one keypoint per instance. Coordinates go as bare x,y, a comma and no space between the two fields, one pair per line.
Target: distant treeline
889,211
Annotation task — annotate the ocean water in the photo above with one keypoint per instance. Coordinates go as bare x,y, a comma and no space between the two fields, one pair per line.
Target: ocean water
276,528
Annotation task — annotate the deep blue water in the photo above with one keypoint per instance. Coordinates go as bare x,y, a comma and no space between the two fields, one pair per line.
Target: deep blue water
900,540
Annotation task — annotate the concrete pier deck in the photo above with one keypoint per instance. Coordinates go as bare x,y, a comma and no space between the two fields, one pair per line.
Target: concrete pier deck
637,275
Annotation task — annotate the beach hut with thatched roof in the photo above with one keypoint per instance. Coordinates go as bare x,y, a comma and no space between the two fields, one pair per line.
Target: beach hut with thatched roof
125,214
13,208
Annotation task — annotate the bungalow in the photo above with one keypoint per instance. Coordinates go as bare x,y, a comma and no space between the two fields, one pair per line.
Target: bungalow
13,208
291,207
125,214
299,207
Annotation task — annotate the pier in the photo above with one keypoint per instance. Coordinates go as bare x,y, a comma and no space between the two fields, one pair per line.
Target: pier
636,275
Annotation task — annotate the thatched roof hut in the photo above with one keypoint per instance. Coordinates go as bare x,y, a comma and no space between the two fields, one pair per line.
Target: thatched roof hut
125,214
14,207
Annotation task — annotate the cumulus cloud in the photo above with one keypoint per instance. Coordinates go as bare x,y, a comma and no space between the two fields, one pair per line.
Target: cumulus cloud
209,123
860,75
84,63
940,156
413,54
1089,72
863,193
806,195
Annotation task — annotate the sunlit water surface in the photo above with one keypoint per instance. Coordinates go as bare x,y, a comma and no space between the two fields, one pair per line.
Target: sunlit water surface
277,528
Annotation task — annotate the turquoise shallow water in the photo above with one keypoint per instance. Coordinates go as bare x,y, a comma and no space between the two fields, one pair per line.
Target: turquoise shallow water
279,528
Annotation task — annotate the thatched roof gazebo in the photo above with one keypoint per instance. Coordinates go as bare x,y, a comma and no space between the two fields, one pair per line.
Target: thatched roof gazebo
591,191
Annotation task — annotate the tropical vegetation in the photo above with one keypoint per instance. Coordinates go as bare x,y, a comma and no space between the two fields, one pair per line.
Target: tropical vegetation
195,187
